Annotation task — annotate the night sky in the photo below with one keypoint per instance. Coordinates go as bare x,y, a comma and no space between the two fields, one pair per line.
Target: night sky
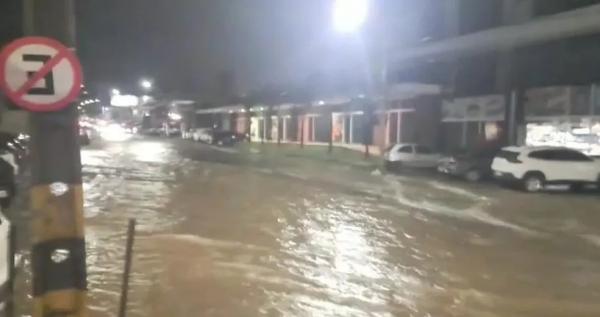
187,45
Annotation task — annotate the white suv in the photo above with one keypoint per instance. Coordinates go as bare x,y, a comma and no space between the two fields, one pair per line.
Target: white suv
534,167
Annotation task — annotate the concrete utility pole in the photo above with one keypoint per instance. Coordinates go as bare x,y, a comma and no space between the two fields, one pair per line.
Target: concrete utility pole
58,255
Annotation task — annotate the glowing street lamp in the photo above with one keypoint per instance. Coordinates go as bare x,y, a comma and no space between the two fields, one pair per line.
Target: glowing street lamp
146,84
115,92
350,15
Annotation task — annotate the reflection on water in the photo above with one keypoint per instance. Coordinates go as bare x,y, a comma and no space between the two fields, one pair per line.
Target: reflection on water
123,181
226,240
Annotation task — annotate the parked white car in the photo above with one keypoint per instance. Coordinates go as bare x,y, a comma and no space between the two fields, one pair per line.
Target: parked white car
535,167
410,155
203,135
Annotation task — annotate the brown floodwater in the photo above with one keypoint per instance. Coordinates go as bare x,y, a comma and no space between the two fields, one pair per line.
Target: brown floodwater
309,239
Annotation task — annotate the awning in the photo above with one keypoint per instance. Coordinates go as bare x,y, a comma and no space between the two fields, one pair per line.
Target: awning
226,109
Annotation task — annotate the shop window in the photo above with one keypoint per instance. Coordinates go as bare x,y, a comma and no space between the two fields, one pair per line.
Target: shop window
409,131
580,101
290,129
358,128
311,129
452,136
337,127
321,129
394,125
596,93
474,134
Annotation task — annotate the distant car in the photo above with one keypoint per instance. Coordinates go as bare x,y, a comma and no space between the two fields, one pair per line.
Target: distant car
171,129
187,134
473,167
7,183
131,127
410,155
84,136
227,138
18,147
203,135
535,167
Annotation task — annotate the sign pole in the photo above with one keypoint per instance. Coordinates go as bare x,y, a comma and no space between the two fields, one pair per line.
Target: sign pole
58,255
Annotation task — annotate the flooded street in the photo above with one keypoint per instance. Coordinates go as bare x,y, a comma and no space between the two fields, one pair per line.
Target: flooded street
222,233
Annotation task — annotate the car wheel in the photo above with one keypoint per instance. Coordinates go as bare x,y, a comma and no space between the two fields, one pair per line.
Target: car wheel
473,176
533,182
387,165
394,166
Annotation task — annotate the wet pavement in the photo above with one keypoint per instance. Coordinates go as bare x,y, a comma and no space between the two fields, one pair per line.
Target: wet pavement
222,233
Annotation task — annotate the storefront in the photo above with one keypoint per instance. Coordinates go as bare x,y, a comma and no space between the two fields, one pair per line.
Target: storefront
258,131
472,123
348,127
398,125
315,127
411,115
241,123
281,124
566,116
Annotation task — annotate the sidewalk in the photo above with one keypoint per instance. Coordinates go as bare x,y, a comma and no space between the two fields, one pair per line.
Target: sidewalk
338,155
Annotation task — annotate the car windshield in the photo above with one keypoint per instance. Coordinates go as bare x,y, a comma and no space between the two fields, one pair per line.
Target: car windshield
389,148
183,158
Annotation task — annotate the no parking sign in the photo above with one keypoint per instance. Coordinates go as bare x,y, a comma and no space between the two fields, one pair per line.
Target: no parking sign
40,74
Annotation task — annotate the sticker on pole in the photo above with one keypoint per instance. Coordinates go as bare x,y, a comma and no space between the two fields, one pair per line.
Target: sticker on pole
40,74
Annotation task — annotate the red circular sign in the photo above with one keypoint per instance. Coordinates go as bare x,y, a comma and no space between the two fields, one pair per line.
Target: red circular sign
40,74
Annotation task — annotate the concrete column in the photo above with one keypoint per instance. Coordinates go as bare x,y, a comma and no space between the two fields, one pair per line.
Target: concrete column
452,27
513,12
268,122
451,17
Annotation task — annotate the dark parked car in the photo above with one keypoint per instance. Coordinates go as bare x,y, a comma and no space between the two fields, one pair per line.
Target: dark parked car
227,138
7,183
84,136
471,166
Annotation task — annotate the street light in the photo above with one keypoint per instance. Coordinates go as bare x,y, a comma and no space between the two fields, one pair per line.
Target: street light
146,84
115,92
350,15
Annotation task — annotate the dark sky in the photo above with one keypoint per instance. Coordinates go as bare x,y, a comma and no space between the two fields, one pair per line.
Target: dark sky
186,44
